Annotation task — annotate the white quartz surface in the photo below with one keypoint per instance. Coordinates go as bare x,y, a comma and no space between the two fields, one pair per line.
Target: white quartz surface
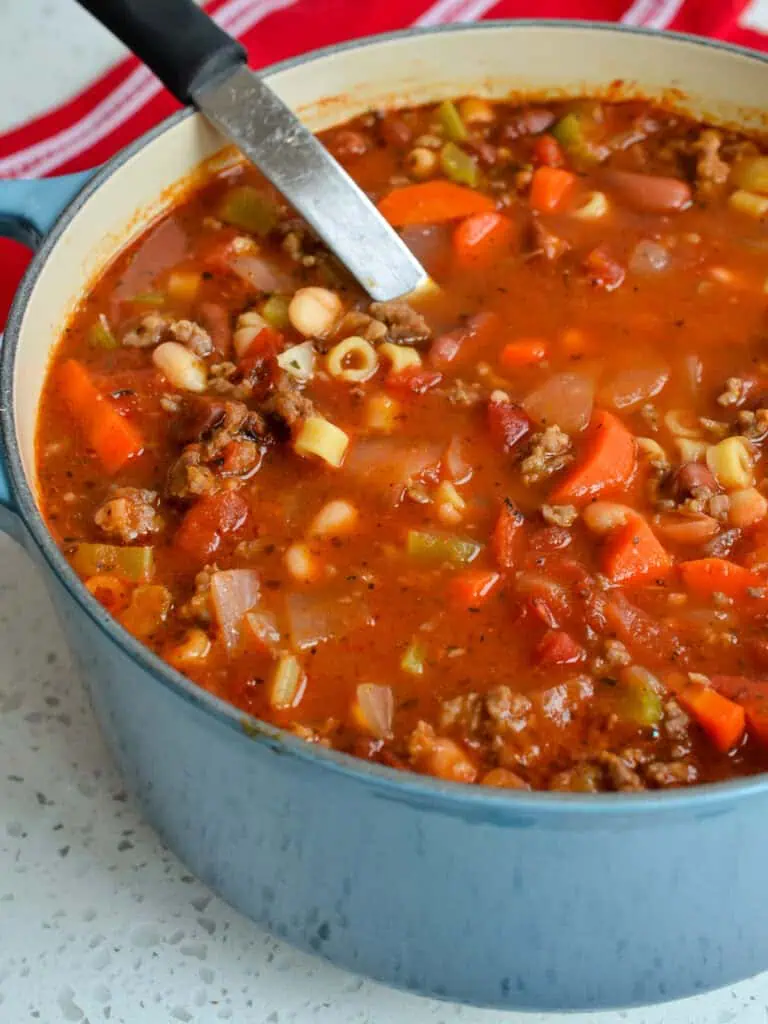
98,922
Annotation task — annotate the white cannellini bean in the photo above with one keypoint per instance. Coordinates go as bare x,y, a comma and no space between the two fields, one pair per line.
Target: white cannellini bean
604,516
334,519
183,368
314,311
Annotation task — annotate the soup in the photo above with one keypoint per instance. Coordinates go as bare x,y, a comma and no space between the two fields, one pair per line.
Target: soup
511,531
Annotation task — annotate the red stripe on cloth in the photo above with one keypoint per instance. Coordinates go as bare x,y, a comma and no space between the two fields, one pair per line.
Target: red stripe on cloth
127,101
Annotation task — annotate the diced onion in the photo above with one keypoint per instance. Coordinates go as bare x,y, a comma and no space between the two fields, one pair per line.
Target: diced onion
260,274
633,386
325,440
316,616
649,258
388,465
594,207
455,465
565,401
233,592
375,709
263,628
298,361
353,359
288,683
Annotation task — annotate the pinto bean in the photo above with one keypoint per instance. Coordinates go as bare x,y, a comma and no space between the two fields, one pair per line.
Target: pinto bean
648,193
694,477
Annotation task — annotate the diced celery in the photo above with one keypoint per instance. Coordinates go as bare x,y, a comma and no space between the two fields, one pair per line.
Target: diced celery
133,563
149,299
100,334
451,122
639,697
275,311
751,174
246,207
414,658
458,165
569,131
439,547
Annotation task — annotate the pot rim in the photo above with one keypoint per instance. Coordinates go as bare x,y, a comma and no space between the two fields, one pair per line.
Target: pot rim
472,802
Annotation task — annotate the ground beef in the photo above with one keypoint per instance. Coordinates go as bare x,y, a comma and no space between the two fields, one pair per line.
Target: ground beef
550,451
559,515
188,477
128,514
355,322
463,393
198,608
711,169
546,243
734,394
507,711
404,325
154,328
288,403
620,773
670,773
754,425
147,333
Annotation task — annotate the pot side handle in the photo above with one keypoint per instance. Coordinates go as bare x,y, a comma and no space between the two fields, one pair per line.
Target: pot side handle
28,210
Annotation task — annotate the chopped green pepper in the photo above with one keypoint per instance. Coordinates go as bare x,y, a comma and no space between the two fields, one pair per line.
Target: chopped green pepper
458,165
247,208
451,122
100,334
149,299
414,659
437,547
569,131
131,563
639,697
275,311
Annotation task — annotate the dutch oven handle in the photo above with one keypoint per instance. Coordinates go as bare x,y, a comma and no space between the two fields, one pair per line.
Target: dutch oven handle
28,210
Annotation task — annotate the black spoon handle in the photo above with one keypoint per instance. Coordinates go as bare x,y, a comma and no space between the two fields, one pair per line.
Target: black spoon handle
174,38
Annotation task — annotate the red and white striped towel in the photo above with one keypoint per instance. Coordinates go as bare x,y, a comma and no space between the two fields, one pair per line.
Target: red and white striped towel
128,100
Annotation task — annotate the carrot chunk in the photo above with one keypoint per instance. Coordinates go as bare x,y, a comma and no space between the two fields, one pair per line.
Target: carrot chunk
633,552
608,464
524,352
113,437
550,187
470,589
547,151
723,720
707,576
482,237
432,202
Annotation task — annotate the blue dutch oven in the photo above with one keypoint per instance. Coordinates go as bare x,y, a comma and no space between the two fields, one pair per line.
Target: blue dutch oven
525,900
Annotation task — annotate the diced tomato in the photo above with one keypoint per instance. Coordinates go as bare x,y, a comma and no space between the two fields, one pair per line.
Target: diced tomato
471,588
550,538
268,342
546,150
210,519
506,541
508,423
544,611
602,270
448,347
414,379
558,648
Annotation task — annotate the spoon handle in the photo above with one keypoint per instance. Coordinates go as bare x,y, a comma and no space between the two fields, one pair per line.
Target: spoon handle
176,39
204,66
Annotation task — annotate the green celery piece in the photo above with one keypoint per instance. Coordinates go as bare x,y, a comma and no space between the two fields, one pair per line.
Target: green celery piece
134,563
246,207
275,311
569,131
149,299
459,166
100,334
640,703
438,547
451,122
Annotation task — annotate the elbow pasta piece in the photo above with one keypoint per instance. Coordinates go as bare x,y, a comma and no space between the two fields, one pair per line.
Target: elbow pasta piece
691,451
400,357
681,423
354,359
381,412
317,436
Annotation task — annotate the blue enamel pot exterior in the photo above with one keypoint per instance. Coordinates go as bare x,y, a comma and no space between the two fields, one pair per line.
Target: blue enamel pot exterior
517,900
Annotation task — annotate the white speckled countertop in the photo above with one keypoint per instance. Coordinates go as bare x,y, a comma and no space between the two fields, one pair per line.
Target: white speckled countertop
98,922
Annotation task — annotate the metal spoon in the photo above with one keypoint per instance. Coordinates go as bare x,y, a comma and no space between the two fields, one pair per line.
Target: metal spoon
204,66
